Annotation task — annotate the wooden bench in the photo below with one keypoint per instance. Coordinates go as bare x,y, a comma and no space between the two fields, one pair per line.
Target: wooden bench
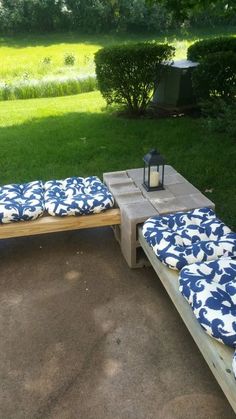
218,356
49,224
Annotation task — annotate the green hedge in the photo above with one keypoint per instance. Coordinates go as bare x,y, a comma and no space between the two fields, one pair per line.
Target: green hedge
219,116
216,76
201,49
127,74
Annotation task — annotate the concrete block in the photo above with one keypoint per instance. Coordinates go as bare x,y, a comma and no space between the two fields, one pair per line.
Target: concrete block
115,174
137,213
131,216
129,198
137,176
132,252
182,203
170,170
168,205
135,173
182,189
137,205
129,251
173,178
197,200
115,177
123,188
162,194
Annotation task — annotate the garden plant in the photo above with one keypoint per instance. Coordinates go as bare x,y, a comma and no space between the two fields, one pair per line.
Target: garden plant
127,74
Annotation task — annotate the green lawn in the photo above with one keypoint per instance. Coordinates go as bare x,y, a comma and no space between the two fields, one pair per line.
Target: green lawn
22,56
75,135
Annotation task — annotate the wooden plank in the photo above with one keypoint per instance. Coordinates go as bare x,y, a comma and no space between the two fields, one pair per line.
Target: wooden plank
218,356
49,224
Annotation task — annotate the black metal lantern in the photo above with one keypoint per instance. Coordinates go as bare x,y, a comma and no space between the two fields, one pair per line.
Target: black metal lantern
153,172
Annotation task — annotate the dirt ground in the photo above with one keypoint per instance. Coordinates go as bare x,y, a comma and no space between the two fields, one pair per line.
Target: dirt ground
83,336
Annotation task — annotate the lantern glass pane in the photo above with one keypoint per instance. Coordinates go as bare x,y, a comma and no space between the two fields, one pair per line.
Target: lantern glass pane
145,174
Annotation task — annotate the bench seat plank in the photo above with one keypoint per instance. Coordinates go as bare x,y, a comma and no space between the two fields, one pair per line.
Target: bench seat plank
49,224
218,356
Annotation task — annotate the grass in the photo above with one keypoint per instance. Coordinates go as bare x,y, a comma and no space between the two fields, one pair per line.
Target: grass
74,135
48,87
23,56
35,66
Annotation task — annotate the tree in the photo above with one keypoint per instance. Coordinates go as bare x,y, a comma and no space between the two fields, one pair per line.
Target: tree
183,8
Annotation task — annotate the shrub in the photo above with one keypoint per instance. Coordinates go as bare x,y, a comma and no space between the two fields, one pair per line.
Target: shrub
201,49
216,76
220,116
127,73
69,59
47,60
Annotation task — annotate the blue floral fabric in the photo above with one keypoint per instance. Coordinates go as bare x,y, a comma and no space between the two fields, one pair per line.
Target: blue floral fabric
77,196
210,289
21,202
184,238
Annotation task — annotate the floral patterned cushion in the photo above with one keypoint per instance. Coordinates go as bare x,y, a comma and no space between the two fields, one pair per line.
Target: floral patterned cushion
21,202
77,196
210,289
187,237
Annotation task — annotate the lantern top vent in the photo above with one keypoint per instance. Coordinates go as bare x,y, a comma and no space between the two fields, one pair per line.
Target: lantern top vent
153,158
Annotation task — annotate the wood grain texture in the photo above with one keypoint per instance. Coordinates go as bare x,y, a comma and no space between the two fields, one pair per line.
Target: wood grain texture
49,224
218,356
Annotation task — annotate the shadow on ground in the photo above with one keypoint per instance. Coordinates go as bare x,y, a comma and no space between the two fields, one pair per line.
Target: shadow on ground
83,336
33,40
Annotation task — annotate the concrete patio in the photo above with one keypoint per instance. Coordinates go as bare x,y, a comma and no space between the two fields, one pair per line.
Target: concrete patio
83,336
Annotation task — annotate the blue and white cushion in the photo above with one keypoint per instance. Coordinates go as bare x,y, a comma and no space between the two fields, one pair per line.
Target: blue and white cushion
210,289
187,237
77,196
21,202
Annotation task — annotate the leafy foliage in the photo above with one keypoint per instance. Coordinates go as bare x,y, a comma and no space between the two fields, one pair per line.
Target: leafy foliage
127,73
214,82
216,76
69,59
203,48
83,15
28,15
112,15
220,116
186,9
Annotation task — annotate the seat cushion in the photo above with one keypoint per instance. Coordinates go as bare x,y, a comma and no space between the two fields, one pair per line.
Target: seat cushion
187,237
210,289
21,202
77,196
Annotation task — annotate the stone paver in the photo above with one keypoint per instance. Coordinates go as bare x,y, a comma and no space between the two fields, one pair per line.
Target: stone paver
129,198
115,177
124,187
168,205
182,189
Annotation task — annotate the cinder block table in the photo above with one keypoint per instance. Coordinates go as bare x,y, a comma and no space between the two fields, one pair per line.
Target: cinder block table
136,205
